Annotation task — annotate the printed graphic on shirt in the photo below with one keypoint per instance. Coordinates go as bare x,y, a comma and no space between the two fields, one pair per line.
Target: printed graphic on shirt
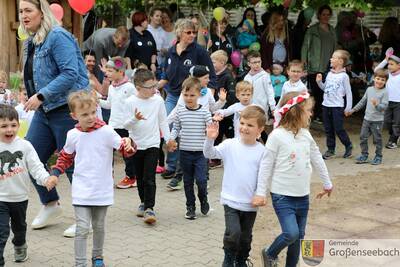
331,87
6,157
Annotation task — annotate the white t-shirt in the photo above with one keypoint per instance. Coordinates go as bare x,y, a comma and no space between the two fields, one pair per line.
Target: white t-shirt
392,84
288,87
160,36
6,95
23,115
234,109
92,182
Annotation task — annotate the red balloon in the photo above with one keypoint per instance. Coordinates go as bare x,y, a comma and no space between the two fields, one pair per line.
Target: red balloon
81,6
286,3
57,11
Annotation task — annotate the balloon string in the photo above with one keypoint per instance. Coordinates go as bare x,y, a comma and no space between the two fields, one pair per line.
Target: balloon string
219,34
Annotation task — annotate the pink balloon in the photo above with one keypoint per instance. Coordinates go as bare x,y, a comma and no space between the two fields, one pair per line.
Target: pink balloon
57,11
286,3
236,58
81,6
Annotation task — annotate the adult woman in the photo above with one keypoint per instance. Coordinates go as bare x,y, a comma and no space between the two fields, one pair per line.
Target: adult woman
168,25
318,46
275,42
389,36
142,46
218,38
249,13
185,54
53,68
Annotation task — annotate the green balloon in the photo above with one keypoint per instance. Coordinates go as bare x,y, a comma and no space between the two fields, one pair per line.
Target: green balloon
255,46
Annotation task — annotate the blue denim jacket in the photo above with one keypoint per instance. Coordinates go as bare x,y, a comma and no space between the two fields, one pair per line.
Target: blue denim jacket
58,68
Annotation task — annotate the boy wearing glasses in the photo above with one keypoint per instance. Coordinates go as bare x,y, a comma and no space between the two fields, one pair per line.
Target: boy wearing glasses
146,115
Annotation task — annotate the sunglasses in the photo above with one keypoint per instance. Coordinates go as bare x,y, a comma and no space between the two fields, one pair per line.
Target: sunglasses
191,32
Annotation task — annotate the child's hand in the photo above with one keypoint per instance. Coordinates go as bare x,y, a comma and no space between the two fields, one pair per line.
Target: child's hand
318,78
374,102
138,115
258,201
126,141
102,66
222,94
212,130
172,145
389,52
51,182
348,113
218,117
325,192
277,81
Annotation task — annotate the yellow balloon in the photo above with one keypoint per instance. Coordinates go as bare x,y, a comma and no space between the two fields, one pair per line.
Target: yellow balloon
23,128
219,13
22,36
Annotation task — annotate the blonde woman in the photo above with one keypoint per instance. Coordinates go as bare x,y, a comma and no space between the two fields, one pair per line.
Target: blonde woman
274,42
53,68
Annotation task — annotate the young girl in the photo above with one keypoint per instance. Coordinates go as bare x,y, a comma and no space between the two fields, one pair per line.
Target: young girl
286,165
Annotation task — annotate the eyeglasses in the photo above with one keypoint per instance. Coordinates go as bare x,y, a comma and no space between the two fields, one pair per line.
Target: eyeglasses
191,32
255,62
153,86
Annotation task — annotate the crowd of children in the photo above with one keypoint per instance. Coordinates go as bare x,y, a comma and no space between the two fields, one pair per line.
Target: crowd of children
138,122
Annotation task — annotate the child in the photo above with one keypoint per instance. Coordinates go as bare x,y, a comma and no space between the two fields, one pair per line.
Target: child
23,161
295,71
238,183
190,125
5,94
286,165
146,115
336,86
277,80
247,35
22,114
90,147
225,81
120,89
376,100
392,113
244,92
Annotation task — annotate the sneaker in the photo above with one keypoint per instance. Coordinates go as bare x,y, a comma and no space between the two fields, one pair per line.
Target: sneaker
362,159
204,207
267,260
21,253
348,152
215,163
140,210
391,145
328,154
175,184
127,183
168,174
243,262
318,121
97,262
70,231
149,216
229,258
46,215
377,160
190,213
160,169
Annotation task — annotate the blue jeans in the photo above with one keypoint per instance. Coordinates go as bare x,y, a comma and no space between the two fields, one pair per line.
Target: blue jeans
47,133
333,124
292,214
194,167
172,157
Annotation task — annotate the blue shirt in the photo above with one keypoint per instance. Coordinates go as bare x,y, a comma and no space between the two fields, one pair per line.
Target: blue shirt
278,86
279,52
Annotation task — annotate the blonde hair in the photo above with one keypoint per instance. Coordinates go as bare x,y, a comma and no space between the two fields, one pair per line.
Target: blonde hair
191,83
382,73
220,55
122,31
81,99
294,119
47,23
272,33
181,25
244,86
296,63
344,55
3,76
254,112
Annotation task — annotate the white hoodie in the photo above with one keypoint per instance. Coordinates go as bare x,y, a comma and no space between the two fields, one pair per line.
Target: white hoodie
263,92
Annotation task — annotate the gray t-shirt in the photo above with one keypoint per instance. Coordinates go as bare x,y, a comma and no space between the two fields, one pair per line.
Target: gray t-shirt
373,113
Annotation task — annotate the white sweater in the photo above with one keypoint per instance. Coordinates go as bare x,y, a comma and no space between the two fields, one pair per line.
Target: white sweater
336,86
241,166
263,92
146,133
286,164
116,102
392,84
19,159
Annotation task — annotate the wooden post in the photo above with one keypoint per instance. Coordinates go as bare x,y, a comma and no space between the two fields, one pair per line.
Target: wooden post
5,35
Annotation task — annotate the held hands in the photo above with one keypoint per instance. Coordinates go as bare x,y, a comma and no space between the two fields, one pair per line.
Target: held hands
126,141
318,78
258,201
218,117
212,130
51,182
348,113
222,94
172,145
138,115
325,192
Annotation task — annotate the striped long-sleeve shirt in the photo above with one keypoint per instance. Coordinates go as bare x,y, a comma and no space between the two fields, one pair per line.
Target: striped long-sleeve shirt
190,125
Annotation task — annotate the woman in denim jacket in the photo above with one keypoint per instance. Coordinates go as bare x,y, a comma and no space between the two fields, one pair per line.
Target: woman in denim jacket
53,68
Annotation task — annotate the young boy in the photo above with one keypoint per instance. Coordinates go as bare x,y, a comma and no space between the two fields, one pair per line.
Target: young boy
90,147
119,90
277,80
5,94
190,125
225,81
239,183
376,100
146,115
294,84
244,92
336,86
392,113
19,161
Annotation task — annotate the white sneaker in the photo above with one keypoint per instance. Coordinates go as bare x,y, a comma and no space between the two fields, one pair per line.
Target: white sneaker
70,231
46,215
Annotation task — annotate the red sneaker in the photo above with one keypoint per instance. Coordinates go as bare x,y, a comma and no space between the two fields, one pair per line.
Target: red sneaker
127,182
160,169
